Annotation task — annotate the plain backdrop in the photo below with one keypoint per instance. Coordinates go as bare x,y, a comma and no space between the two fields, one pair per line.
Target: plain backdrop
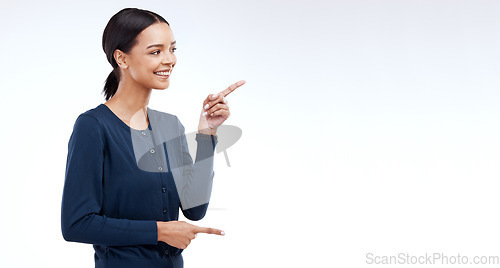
367,126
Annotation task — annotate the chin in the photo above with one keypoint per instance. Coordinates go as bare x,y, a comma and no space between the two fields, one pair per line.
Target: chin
161,87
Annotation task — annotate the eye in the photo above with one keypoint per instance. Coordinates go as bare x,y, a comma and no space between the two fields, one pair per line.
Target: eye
154,52
174,49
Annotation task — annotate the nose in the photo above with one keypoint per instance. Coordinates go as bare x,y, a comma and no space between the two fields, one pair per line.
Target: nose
169,59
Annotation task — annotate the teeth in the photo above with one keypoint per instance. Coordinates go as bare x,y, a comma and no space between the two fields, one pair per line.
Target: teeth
163,73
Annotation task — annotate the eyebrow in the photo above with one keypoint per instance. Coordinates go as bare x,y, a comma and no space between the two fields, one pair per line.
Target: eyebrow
160,45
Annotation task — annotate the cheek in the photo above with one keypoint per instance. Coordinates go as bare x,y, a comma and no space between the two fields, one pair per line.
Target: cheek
143,69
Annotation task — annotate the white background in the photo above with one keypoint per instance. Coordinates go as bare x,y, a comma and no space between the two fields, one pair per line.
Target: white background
368,126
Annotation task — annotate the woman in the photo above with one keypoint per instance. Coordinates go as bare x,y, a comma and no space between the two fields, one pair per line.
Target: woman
128,168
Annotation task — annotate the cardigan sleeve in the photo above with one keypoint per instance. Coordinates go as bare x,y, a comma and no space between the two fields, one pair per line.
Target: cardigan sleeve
81,217
198,177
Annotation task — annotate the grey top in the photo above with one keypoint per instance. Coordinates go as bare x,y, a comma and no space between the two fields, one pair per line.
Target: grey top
165,131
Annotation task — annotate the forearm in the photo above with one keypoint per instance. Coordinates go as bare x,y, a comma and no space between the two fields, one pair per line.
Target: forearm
197,178
205,146
194,181
102,230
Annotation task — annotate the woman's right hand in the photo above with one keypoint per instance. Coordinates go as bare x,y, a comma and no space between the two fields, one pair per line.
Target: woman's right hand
180,233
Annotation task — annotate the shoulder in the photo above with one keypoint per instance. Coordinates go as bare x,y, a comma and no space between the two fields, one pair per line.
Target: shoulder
89,123
91,118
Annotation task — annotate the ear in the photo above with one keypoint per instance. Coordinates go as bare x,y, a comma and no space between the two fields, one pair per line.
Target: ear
120,58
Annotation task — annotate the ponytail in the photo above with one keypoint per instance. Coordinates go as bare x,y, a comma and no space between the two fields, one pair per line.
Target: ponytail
111,85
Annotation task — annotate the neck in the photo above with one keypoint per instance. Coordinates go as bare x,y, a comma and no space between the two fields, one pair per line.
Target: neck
130,100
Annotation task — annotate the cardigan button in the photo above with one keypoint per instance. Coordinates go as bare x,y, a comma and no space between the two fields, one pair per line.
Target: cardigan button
160,168
166,252
163,189
152,151
164,210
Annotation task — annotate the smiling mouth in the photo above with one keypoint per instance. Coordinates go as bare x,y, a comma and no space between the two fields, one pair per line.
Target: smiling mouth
162,73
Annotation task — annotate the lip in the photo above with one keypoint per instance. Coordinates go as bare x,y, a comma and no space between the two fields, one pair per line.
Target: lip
163,77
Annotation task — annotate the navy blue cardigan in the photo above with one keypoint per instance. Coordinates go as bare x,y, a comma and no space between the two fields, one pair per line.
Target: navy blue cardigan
112,202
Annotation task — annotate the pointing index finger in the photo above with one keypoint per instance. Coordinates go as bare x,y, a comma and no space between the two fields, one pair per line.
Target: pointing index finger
208,230
232,87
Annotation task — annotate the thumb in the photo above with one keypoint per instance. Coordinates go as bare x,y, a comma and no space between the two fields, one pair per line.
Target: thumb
214,96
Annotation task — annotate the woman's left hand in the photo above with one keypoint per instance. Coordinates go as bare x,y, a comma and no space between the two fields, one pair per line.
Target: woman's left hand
215,110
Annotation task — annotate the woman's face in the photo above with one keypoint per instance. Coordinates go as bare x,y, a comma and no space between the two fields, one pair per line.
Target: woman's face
150,61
